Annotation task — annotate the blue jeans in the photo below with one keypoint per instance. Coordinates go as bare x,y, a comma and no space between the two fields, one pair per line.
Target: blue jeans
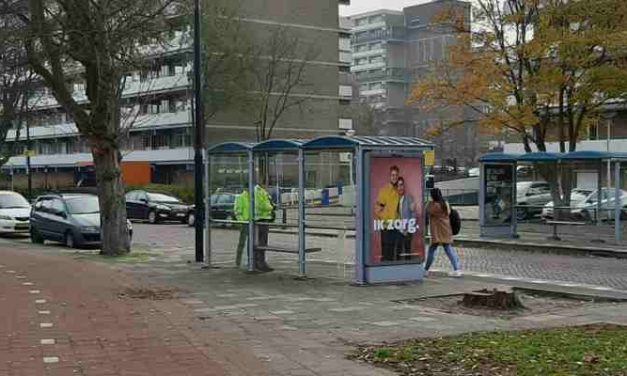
450,252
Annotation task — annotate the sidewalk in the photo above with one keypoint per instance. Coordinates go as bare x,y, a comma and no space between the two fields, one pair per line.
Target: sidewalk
63,317
223,321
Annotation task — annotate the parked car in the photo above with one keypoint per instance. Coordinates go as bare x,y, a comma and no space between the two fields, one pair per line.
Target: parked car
531,196
474,172
14,213
155,207
222,208
70,218
584,204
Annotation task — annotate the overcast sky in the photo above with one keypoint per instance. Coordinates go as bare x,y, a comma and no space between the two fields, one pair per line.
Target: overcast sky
359,6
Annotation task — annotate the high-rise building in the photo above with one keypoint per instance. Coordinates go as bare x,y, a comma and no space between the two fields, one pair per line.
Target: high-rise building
392,50
161,134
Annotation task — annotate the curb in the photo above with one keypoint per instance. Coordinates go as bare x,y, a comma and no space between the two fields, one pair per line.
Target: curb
510,245
544,248
565,289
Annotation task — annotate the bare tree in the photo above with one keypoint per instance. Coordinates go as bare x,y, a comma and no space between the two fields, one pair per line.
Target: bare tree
16,80
227,56
279,79
97,43
364,118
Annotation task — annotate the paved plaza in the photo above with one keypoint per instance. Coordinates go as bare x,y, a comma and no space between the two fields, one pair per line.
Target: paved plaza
159,313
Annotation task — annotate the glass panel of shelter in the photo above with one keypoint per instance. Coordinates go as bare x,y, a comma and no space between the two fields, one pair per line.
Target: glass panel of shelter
228,179
330,194
276,210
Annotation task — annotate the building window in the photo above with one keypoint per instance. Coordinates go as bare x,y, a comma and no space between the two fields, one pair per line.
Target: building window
593,129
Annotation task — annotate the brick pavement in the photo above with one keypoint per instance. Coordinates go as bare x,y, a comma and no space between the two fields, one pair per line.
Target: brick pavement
65,317
226,320
609,272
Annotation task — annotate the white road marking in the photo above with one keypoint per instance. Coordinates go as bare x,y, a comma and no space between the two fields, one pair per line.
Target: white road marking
51,359
283,312
27,283
34,292
47,341
46,325
40,301
44,312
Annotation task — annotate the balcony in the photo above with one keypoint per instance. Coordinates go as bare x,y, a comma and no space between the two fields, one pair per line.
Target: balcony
366,67
372,92
346,57
389,74
346,124
179,155
156,121
133,88
390,34
368,53
346,92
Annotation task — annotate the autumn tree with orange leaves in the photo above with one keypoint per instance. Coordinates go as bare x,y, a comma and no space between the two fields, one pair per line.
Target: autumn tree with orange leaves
539,69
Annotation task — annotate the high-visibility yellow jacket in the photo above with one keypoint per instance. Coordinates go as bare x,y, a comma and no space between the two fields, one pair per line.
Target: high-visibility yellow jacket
241,206
263,205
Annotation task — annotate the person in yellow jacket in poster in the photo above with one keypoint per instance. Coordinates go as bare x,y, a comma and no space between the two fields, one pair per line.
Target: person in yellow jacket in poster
264,212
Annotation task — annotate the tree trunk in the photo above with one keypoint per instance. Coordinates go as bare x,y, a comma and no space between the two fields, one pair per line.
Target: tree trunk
114,230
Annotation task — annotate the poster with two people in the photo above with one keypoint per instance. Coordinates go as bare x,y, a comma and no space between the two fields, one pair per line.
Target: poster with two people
397,210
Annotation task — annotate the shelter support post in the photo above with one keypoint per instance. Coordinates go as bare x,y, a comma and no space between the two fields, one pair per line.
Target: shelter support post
358,159
252,214
617,203
301,213
207,208
514,214
599,193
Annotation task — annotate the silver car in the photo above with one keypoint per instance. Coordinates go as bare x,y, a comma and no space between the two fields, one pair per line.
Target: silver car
584,204
531,196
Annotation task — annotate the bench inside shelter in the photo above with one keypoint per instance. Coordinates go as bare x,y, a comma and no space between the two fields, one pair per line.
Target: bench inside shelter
555,236
269,248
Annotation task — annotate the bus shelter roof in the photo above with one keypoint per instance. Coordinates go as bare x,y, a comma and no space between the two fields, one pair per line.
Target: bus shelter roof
345,142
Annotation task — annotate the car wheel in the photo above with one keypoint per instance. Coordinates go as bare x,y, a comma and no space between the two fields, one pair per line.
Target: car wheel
522,214
585,215
191,219
152,217
70,242
35,236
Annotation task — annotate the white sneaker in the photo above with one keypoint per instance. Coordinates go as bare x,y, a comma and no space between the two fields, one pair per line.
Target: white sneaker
426,273
455,273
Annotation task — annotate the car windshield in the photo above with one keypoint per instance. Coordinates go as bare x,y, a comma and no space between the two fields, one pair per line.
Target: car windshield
13,201
579,194
159,197
83,205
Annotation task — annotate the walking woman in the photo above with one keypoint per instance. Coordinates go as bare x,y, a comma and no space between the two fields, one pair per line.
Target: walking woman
441,232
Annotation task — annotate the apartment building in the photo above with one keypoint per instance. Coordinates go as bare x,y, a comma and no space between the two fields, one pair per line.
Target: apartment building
394,49
159,100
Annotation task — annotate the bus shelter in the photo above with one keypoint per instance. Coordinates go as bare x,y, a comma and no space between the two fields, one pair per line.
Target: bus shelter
387,179
516,189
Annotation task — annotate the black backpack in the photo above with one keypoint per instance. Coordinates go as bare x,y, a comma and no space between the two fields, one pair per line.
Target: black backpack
456,220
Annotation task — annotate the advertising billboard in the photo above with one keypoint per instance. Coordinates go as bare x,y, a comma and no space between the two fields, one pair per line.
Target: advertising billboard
396,220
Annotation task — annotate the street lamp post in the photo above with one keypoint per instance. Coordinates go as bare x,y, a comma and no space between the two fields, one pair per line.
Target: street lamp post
608,116
198,139
28,167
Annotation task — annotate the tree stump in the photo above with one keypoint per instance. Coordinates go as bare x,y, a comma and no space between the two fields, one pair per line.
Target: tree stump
495,299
